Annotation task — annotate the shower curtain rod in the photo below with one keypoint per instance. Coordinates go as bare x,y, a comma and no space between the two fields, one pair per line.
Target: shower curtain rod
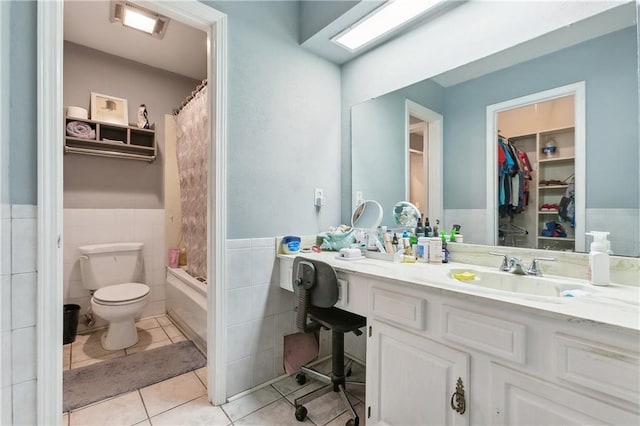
193,94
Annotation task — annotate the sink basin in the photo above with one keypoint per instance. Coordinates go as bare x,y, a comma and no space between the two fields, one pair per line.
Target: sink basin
525,284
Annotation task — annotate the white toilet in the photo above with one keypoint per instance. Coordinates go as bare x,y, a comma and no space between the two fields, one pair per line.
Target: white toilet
112,272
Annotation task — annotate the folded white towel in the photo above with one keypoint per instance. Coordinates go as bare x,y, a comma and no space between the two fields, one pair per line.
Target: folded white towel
79,129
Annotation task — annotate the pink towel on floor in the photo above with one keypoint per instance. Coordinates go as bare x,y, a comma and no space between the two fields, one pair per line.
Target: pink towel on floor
299,349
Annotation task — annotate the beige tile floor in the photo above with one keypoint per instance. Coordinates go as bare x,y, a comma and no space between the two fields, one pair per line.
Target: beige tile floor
182,400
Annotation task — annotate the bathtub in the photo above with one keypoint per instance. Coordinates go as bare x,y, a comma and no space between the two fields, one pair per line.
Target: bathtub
186,300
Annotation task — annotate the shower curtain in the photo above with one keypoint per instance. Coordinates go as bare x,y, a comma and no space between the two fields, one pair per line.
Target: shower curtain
191,146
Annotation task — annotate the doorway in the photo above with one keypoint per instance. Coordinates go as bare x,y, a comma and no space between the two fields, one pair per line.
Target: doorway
575,92
423,157
49,248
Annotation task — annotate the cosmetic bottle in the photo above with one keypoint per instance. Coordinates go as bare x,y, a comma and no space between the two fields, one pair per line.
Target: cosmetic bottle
427,228
419,229
598,271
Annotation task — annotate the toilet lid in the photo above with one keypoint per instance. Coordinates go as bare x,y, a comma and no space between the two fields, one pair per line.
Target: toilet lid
121,292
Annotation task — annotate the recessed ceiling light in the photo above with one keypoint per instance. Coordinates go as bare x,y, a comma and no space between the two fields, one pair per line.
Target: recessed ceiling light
381,21
139,21
134,16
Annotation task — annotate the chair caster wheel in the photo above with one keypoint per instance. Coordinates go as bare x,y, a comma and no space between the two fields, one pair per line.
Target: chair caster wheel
301,378
353,422
301,413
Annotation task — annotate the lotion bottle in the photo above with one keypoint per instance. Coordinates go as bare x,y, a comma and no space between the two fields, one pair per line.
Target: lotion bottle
598,271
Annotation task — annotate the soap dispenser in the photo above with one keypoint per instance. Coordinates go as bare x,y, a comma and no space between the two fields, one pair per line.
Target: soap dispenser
598,271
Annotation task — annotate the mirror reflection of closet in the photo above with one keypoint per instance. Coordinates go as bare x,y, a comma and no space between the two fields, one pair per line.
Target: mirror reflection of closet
529,129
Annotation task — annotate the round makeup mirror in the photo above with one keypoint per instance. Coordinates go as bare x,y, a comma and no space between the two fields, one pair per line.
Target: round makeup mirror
406,214
367,215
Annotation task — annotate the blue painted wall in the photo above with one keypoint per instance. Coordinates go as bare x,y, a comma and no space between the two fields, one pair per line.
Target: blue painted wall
284,125
22,103
284,121
378,129
608,65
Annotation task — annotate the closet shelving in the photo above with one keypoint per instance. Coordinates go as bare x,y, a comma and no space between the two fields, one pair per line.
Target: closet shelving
112,140
557,167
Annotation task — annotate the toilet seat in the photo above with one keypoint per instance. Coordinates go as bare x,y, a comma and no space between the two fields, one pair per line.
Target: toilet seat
121,294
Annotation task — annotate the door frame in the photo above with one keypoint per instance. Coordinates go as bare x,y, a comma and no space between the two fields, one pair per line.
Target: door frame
50,45
433,149
578,90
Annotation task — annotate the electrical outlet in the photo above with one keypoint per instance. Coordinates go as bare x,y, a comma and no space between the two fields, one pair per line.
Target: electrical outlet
318,197
359,198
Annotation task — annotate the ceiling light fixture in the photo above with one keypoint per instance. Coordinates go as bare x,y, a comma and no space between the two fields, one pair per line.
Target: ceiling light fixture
133,16
381,21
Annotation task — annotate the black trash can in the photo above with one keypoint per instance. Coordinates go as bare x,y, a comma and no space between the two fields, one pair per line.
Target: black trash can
71,314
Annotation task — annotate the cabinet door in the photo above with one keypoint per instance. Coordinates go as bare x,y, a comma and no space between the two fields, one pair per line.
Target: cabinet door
411,379
520,399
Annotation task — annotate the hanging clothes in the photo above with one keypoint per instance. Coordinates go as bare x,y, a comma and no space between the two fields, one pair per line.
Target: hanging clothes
514,175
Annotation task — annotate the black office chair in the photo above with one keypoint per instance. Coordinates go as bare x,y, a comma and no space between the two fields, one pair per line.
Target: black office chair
316,287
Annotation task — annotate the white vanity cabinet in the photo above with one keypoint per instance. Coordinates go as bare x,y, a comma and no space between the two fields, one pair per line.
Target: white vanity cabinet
437,354
425,348
412,380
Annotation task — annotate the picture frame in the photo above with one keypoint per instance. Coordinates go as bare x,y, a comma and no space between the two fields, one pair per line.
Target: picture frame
109,109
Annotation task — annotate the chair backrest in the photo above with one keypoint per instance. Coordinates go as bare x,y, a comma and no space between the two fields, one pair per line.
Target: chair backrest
315,283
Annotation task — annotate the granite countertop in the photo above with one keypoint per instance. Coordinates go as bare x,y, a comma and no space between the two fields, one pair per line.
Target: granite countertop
614,305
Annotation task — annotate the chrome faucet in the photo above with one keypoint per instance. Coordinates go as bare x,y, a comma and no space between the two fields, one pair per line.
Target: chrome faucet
515,265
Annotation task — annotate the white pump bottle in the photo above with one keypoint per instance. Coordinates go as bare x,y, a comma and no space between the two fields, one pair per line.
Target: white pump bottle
598,271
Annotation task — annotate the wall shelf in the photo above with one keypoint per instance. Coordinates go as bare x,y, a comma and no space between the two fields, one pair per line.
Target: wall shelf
112,140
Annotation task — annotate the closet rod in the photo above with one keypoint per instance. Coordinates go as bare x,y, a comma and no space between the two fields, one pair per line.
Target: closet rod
193,94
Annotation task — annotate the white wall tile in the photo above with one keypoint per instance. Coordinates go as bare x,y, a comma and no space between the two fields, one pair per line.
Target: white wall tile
153,309
240,339
124,221
263,242
23,245
238,244
266,333
5,246
263,367
24,211
6,418
238,264
261,304
262,262
5,211
286,299
23,300
23,362
238,376
93,226
5,299
472,221
157,293
623,225
238,305
24,403
285,323
5,341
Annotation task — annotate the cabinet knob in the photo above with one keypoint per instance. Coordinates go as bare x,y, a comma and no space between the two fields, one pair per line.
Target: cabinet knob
457,399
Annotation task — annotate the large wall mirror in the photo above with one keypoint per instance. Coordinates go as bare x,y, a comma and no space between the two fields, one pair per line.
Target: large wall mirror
595,133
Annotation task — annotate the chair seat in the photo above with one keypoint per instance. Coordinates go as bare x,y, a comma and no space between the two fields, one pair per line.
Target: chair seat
337,319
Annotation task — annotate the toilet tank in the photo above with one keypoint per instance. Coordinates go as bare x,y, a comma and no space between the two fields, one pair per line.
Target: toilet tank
102,265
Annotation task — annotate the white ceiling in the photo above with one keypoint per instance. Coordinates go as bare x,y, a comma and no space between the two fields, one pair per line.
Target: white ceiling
183,50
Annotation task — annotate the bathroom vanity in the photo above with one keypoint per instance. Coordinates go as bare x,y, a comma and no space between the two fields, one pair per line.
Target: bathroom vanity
498,349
